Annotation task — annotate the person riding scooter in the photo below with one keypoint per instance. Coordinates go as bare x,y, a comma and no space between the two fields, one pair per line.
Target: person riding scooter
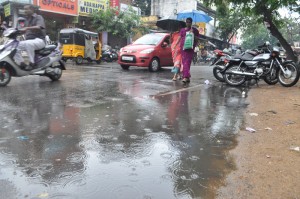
35,37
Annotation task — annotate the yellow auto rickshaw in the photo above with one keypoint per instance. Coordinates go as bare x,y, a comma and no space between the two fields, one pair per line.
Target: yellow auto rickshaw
78,44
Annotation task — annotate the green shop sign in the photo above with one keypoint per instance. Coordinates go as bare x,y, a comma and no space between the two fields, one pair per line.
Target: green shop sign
7,10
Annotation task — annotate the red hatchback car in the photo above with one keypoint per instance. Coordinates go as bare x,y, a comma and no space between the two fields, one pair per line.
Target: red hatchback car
152,50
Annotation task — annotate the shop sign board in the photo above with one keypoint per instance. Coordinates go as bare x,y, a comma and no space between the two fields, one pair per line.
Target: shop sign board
17,1
201,27
66,7
7,10
87,7
126,8
115,3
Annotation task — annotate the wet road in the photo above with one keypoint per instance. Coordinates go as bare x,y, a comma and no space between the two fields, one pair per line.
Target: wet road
102,132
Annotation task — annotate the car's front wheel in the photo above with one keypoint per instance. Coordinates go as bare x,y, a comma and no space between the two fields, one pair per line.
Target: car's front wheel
154,65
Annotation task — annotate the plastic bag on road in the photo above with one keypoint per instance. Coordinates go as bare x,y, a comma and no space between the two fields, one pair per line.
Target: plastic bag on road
251,130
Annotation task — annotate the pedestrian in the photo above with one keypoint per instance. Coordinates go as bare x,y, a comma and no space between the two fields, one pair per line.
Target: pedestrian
225,50
176,54
238,51
34,37
196,54
48,40
187,54
204,54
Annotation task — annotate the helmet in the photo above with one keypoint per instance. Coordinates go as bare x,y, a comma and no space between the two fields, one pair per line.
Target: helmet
21,19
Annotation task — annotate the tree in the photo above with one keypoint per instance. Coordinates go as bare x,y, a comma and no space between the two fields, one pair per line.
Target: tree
266,11
290,30
230,21
252,41
144,5
122,24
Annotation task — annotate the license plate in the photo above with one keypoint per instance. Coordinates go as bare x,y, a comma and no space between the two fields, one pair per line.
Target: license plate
126,58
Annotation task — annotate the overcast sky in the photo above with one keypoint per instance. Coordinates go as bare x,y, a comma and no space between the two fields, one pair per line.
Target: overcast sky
285,13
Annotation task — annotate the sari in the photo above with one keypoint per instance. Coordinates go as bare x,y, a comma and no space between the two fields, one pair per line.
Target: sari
187,55
176,53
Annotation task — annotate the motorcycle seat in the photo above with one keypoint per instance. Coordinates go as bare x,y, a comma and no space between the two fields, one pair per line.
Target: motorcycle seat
238,56
247,57
235,60
252,52
47,50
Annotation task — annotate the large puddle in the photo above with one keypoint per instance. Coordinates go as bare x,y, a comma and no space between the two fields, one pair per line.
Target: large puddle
127,145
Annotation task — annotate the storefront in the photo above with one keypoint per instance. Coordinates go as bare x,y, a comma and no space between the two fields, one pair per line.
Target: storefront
12,10
58,14
86,8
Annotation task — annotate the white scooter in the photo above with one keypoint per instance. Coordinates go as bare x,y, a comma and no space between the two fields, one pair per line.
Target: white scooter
49,60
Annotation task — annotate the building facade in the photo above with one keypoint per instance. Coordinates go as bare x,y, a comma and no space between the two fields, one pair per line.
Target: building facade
166,8
170,8
59,14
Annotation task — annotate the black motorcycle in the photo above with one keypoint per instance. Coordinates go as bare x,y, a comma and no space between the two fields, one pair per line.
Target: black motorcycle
267,66
109,55
225,61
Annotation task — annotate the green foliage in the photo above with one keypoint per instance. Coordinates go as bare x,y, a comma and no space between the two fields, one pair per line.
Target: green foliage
251,41
230,21
290,30
265,11
144,5
122,24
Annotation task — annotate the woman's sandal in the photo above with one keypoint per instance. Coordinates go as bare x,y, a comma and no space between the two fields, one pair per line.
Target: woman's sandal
186,80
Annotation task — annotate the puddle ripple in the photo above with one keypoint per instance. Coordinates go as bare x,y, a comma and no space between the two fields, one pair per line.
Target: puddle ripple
126,191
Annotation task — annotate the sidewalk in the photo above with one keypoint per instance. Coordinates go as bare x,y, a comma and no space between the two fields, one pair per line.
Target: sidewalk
267,162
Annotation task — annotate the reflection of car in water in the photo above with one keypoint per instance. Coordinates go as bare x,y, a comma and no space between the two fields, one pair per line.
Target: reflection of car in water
151,50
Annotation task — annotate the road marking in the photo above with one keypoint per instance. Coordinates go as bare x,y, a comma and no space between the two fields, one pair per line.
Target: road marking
177,91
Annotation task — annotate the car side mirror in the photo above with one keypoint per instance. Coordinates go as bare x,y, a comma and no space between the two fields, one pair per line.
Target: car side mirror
164,44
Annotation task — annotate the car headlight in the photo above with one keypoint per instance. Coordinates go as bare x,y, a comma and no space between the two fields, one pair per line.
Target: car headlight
147,51
121,50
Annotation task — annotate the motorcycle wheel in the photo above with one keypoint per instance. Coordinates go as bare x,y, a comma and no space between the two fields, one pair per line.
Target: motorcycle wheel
271,79
57,75
79,60
5,76
290,76
214,61
233,79
109,59
217,74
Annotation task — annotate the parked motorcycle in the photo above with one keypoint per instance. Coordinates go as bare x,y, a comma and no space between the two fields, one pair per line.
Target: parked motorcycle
226,60
49,60
109,55
267,66
218,55
219,63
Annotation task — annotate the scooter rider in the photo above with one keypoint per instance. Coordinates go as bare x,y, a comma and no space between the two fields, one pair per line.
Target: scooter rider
35,37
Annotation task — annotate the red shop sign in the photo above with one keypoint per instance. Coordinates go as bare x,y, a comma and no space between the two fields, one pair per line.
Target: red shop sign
114,3
67,7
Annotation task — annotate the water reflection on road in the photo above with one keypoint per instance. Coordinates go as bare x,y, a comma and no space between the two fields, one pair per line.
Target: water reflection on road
124,145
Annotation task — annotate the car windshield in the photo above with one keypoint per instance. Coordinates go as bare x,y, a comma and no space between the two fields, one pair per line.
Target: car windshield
150,39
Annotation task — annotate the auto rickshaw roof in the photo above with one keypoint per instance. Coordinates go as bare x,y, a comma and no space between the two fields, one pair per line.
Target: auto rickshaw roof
78,30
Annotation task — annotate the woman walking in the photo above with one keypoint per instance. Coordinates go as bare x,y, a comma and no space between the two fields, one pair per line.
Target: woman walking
176,54
187,55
